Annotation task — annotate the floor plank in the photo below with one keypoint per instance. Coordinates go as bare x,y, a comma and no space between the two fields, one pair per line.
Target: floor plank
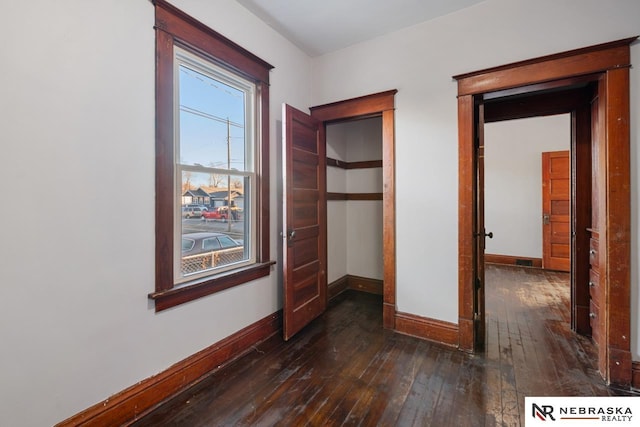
344,369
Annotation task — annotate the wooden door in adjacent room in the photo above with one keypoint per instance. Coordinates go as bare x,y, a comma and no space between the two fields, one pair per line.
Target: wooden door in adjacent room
556,211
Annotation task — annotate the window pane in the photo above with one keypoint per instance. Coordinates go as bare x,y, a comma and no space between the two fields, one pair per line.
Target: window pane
214,232
212,122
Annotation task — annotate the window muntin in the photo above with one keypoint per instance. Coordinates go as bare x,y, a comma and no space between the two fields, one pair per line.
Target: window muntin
214,162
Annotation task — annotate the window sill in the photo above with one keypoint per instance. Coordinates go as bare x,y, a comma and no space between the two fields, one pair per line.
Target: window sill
173,297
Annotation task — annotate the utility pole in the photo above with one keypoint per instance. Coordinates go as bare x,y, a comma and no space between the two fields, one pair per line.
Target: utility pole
228,176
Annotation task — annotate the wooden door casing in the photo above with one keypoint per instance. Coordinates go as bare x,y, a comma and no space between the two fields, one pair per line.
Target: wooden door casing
304,221
556,211
611,61
378,104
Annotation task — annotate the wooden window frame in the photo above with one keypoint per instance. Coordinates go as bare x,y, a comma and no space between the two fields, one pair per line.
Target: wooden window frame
175,28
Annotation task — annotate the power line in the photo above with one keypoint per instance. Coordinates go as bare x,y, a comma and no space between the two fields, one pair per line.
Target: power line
198,76
209,116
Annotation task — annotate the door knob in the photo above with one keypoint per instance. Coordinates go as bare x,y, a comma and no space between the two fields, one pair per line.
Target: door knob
546,219
489,235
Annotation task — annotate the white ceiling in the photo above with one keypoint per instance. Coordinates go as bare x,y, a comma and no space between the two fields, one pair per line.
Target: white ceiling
319,27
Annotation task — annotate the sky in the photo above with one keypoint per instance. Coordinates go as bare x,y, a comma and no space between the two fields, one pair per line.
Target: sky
205,106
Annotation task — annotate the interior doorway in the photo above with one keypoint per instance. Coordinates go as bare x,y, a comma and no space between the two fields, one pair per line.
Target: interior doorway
382,106
354,205
520,286
526,214
600,152
304,188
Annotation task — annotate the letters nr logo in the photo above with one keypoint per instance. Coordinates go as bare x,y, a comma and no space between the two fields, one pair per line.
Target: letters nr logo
543,412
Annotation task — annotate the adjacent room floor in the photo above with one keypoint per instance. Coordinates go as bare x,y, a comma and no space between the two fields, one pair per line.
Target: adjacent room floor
344,369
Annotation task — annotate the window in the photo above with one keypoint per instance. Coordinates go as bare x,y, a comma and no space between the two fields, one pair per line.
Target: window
212,214
214,159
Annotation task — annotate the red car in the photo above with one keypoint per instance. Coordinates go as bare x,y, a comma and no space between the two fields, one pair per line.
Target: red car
220,213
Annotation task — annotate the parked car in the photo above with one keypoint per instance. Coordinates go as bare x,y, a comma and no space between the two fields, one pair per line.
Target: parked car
192,212
218,213
202,207
198,243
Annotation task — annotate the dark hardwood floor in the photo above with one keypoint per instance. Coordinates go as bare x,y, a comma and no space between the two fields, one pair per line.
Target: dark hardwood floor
344,369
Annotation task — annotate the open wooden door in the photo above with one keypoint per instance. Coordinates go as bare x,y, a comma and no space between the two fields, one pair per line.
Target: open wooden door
304,220
480,233
556,215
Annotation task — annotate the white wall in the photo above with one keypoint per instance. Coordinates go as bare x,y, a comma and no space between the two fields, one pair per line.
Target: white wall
77,188
513,181
420,61
77,176
336,209
354,227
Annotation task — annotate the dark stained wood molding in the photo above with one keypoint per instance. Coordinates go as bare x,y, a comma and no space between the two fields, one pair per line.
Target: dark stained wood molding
365,284
611,62
389,218
545,104
545,88
466,222
615,226
337,196
173,297
513,260
354,196
635,368
356,283
262,177
368,164
428,329
364,106
365,196
129,404
389,315
336,163
588,60
195,35
337,287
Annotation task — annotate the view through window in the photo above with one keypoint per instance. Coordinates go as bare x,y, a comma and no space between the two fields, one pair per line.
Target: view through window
215,169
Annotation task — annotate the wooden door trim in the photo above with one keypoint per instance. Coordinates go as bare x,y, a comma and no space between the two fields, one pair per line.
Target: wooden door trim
588,60
376,105
364,106
466,222
612,60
